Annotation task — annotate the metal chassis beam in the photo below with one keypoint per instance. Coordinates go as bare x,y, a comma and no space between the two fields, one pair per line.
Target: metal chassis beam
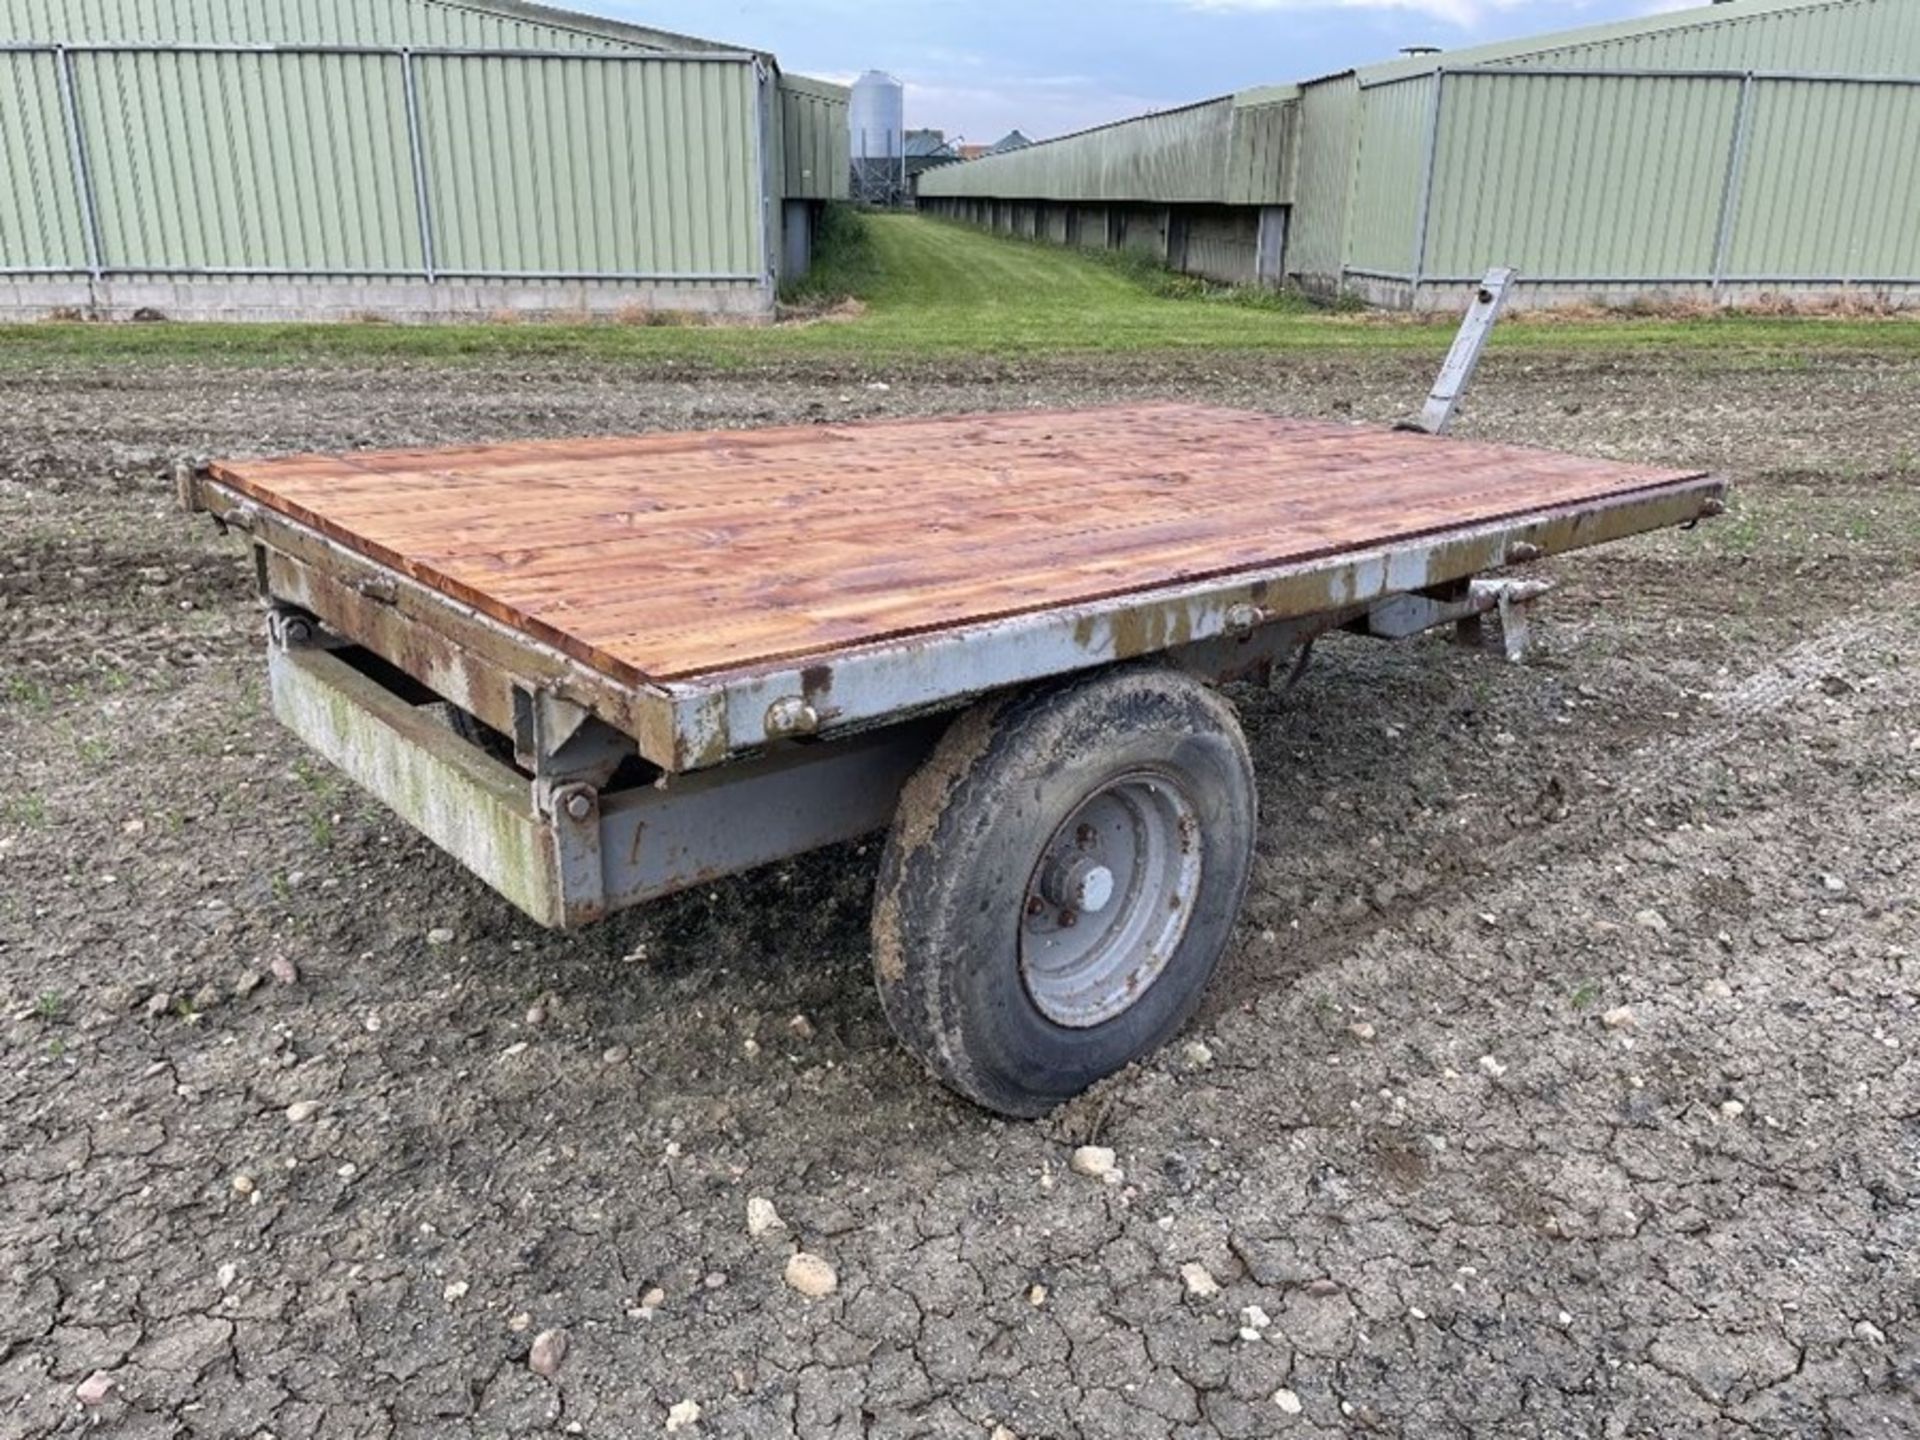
692,724
575,862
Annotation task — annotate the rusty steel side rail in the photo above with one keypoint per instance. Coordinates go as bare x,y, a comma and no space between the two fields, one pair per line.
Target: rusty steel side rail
738,710
683,726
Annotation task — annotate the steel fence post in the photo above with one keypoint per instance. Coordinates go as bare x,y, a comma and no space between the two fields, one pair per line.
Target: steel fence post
82,171
1426,183
417,150
1730,189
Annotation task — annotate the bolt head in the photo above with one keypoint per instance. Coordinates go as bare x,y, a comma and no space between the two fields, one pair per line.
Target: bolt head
579,806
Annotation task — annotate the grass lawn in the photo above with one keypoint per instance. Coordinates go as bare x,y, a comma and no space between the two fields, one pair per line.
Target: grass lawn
930,290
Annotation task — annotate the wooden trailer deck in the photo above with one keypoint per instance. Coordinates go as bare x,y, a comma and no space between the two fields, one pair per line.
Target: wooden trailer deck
672,560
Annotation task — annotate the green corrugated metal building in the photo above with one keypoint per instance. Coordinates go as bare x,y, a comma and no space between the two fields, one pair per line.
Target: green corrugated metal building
1745,148
402,158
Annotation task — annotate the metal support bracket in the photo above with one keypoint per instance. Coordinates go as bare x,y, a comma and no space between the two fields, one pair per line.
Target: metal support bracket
291,628
1401,616
579,767
1464,357
1514,600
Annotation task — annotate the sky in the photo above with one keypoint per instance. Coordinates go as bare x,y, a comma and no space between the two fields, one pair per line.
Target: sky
979,68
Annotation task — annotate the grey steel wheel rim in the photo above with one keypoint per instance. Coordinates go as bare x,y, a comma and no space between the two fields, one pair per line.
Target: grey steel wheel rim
1110,898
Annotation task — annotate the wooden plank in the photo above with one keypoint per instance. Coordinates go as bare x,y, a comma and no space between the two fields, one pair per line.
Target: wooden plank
678,556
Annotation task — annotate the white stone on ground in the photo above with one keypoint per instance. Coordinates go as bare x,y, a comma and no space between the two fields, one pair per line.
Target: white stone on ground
1094,1161
94,1389
810,1275
549,1350
762,1217
1199,1281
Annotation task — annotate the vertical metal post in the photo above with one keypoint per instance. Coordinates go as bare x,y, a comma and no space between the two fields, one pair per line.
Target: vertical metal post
417,149
1270,246
1419,266
1464,357
82,172
1730,190
763,101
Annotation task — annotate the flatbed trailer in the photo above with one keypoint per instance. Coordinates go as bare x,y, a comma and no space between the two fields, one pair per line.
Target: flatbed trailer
598,671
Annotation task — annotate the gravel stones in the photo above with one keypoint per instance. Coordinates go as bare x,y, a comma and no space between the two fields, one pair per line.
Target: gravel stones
1199,1281
762,1217
94,1390
548,1353
1096,1162
684,1415
810,1275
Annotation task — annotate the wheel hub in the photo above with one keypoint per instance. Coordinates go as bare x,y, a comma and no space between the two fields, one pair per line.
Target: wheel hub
1109,899
1083,885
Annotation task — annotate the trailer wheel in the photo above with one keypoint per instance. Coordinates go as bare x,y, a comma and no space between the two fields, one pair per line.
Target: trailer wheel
1059,884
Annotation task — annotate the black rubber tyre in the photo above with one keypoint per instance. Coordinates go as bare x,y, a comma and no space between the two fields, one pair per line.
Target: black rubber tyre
974,823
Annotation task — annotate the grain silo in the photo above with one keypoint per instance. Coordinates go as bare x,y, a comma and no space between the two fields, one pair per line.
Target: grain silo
877,136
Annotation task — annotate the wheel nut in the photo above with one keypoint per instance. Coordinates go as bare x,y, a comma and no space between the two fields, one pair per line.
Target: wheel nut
1068,919
1035,905
1087,836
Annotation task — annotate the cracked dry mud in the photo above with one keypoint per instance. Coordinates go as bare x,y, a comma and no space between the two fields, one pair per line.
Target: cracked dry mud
1462,1201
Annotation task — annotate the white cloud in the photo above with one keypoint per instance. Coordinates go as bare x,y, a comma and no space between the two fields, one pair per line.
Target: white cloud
1465,14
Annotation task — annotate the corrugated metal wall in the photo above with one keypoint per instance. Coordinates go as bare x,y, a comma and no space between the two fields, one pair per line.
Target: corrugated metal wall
815,142
1218,242
1610,182
1621,183
1260,160
1860,37
1390,156
40,213
1581,176
1848,210
285,22
1549,158
1178,155
236,162
638,168
230,162
1317,239
478,143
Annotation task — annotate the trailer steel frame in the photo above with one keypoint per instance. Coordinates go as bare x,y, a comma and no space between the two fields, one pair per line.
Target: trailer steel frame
620,793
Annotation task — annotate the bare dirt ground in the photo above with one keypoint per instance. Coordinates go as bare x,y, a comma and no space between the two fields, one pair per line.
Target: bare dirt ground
1564,1078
